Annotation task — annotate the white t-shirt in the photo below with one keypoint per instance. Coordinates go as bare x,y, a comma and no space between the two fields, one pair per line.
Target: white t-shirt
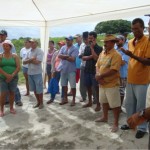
23,53
81,51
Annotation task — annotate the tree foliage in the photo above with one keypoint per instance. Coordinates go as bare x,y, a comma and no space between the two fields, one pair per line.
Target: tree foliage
113,26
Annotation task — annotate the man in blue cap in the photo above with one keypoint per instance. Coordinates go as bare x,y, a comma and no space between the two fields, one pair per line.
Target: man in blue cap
68,54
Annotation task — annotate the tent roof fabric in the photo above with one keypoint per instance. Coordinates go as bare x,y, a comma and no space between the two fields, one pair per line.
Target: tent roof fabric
59,12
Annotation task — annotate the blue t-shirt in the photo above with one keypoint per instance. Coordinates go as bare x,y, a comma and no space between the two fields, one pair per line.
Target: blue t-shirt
66,66
78,60
123,68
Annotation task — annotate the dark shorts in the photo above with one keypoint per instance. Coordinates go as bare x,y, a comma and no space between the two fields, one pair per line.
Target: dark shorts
48,69
89,80
8,87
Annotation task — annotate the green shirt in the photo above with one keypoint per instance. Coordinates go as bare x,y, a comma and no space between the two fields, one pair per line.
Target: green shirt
8,66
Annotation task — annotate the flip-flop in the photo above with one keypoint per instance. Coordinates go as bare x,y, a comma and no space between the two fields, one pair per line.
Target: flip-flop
50,101
63,103
100,120
97,109
87,105
72,104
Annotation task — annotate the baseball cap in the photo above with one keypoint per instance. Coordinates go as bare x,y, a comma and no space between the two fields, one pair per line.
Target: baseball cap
70,38
120,37
33,40
3,32
77,35
61,42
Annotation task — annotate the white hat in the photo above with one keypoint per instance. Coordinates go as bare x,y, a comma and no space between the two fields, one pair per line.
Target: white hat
8,42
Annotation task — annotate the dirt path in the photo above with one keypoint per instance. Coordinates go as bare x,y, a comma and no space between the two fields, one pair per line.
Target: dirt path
62,127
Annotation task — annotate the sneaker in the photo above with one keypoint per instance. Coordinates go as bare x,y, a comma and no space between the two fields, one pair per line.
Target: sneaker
139,134
125,127
19,103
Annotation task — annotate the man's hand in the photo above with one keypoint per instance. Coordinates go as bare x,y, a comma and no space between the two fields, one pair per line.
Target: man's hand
135,120
127,52
32,59
99,79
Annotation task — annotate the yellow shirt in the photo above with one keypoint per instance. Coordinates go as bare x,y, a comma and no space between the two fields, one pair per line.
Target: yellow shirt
105,62
137,72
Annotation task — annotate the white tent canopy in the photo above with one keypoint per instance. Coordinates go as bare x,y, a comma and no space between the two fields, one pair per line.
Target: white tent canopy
50,13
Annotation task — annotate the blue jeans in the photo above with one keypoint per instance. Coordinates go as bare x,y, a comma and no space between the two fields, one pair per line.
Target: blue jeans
135,101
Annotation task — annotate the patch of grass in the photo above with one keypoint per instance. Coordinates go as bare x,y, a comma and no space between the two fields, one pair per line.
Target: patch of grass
21,78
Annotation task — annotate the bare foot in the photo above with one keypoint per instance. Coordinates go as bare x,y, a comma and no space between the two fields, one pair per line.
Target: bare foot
36,105
101,119
13,111
114,129
1,114
26,94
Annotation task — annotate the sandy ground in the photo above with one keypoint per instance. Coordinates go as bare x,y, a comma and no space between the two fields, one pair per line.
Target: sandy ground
62,127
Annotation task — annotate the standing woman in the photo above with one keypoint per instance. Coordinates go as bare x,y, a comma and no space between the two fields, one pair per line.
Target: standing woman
9,68
50,53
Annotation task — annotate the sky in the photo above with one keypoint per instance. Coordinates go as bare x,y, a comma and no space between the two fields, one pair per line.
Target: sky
34,32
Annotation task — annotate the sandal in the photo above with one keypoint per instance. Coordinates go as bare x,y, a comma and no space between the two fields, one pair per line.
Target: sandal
63,102
13,111
50,101
87,105
100,120
98,108
72,104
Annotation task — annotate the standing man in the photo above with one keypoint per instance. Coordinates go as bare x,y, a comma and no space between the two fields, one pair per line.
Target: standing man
138,74
107,74
124,65
91,54
78,39
34,59
23,53
68,54
83,90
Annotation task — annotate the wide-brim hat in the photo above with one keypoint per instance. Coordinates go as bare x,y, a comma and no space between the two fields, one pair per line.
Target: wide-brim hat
110,37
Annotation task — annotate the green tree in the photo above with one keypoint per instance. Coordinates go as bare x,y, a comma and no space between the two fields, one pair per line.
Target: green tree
113,26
